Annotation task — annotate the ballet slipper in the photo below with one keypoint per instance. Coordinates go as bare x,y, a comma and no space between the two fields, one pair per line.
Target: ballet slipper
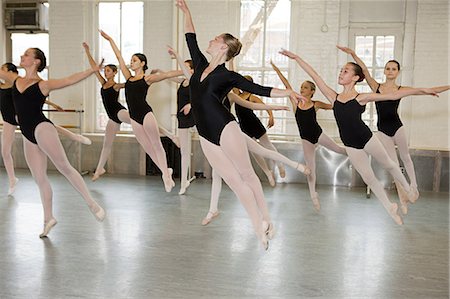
393,212
168,181
98,212
12,187
303,169
47,227
184,187
98,174
316,202
271,179
403,196
84,140
282,171
269,229
209,217
413,194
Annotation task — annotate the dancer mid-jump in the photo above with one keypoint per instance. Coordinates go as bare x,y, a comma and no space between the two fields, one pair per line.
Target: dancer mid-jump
310,130
355,134
143,121
40,136
220,136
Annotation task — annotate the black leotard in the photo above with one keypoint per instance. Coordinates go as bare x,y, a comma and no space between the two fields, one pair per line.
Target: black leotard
7,106
388,119
110,98
249,122
353,131
135,94
307,124
28,106
183,98
210,114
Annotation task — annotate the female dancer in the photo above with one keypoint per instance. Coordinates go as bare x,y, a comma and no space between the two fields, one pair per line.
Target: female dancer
253,147
390,128
310,131
10,124
220,137
143,121
184,116
355,134
41,139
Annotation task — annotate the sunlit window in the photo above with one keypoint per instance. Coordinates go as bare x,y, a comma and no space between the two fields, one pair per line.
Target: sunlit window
22,41
265,28
124,22
375,51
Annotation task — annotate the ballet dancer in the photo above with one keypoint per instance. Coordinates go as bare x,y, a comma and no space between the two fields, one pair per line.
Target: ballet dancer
220,136
254,148
184,116
358,139
310,130
40,136
10,125
143,121
390,128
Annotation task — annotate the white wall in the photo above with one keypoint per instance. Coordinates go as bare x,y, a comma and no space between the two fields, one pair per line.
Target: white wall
426,45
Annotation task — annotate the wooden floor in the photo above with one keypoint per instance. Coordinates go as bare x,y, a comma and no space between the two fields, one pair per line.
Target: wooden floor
151,245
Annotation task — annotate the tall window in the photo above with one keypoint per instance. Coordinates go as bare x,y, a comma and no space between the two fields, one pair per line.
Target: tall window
265,28
124,22
375,51
20,42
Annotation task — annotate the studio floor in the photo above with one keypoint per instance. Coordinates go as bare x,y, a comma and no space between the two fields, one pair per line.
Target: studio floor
152,245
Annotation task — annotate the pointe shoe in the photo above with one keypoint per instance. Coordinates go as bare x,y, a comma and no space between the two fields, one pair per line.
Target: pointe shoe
393,212
84,140
269,230
271,179
183,188
413,194
282,171
47,227
98,174
12,187
100,214
209,217
403,196
316,202
168,181
303,169
264,238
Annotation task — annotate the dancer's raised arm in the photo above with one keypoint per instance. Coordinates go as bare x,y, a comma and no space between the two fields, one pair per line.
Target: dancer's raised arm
327,91
371,81
285,82
93,64
52,84
188,24
174,54
364,98
254,106
123,67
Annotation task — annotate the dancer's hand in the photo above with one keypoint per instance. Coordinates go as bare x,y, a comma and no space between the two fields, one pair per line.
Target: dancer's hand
98,67
271,122
186,109
297,98
181,4
288,54
105,36
85,46
345,49
173,54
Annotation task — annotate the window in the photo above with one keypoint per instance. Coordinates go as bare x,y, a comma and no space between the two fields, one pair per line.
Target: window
124,22
265,28
375,48
20,42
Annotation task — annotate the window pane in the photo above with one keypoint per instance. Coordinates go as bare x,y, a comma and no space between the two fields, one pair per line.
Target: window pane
277,30
109,21
364,49
252,26
384,49
132,29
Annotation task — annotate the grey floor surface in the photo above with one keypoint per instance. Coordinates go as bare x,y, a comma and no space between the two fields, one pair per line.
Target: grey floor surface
151,245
